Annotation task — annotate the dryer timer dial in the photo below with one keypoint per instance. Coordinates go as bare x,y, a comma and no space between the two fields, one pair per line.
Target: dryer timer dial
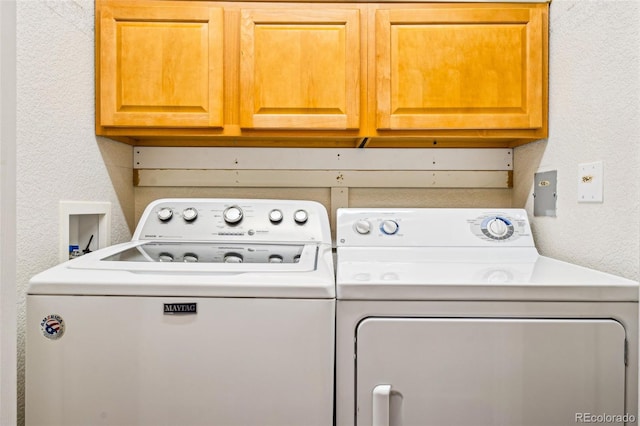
497,228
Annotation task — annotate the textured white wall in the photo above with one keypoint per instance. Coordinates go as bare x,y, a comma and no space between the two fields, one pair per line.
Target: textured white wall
594,111
58,154
8,412
594,115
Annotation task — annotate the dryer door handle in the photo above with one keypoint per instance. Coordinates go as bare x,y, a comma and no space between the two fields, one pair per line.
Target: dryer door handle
381,405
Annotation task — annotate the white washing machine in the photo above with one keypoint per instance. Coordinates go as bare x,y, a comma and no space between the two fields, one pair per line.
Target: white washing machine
450,317
218,312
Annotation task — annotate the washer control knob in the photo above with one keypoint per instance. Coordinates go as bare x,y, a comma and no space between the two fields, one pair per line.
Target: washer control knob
190,258
232,215
497,228
389,227
233,258
275,258
165,257
301,217
363,227
275,216
165,214
189,214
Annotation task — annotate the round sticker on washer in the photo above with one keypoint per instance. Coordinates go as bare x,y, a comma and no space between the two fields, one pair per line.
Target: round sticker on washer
52,326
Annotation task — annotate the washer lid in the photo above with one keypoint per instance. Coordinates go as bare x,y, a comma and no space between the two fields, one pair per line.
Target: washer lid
201,252
199,257
311,277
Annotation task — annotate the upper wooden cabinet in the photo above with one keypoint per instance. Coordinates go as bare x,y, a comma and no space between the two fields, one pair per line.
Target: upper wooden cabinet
160,66
320,74
300,69
459,67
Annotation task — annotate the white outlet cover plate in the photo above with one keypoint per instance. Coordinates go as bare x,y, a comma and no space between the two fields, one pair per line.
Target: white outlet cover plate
590,182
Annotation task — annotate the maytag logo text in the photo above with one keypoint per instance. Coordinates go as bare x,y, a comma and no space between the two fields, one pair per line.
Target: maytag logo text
180,308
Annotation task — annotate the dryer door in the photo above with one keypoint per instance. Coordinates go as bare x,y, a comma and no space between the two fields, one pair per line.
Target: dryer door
482,371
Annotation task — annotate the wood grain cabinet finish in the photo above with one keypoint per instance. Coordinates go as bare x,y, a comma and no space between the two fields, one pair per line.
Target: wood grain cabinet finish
460,67
161,66
300,69
339,74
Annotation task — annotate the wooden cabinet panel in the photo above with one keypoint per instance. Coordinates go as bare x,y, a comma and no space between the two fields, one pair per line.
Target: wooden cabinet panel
161,66
464,67
222,73
300,69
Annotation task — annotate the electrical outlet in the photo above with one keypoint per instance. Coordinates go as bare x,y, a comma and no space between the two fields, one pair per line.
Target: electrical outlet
545,193
590,182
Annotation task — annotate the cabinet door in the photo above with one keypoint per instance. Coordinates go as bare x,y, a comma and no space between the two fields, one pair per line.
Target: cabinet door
464,67
489,371
160,66
300,69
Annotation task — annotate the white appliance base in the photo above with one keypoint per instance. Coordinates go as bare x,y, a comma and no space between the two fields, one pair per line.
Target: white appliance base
236,362
485,363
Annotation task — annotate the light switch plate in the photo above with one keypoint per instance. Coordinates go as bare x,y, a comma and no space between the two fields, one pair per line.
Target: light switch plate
590,182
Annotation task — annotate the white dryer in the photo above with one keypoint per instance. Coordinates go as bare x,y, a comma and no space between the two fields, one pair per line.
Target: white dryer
218,312
451,317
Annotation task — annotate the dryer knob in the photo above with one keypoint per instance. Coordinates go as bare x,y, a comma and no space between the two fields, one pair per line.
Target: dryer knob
497,228
275,258
363,227
389,227
165,214
232,215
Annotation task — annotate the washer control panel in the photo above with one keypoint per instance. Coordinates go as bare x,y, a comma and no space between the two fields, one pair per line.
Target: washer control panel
234,220
433,227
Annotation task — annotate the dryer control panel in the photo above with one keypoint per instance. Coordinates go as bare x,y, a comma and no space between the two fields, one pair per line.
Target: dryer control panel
202,219
433,227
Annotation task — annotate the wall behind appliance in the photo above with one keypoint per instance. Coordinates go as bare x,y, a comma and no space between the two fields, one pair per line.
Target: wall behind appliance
358,197
594,115
58,155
